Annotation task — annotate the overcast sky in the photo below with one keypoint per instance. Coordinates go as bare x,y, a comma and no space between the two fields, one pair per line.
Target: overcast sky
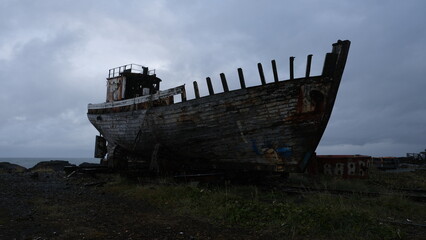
55,55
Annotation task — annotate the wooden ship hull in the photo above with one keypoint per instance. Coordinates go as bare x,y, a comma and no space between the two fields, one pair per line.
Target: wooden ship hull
272,127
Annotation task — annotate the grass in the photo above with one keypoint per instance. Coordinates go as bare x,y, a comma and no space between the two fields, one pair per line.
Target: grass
57,214
319,215
378,181
411,180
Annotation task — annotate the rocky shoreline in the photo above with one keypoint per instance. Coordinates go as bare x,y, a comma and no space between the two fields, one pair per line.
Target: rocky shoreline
43,203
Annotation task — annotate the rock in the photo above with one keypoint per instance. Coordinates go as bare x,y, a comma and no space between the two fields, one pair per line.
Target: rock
6,167
34,175
53,165
86,164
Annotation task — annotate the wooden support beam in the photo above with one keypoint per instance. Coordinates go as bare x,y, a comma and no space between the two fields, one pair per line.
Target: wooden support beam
210,86
274,70
241,76
224,83
308,65
183,94
196,91
262,76
329,64
291,68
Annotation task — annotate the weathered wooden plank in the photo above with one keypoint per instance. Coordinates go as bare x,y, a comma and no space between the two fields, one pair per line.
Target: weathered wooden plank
241,77
196,91
308,65
224,83
261,74
329,64
275,71
210,86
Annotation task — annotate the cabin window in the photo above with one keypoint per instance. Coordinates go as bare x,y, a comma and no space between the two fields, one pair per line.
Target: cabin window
145,91
177,98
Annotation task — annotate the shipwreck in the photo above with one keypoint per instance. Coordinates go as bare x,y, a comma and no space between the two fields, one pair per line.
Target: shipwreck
272,127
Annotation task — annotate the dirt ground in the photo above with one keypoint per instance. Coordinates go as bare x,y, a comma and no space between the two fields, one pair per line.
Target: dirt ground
47,205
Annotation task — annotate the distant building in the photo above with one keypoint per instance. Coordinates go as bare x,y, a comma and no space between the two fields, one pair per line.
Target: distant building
384,163
345,166
421,156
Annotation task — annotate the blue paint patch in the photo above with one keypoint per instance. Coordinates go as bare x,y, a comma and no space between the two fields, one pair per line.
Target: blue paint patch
284,151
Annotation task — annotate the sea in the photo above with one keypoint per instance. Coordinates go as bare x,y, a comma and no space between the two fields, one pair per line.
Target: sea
31,162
